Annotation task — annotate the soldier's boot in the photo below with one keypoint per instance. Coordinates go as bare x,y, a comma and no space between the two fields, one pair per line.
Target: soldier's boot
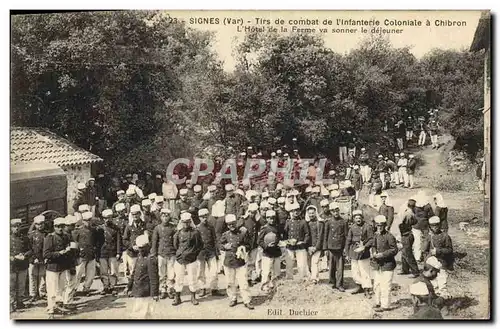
177,299
216,292
203,292
367,293
194,301
171,293
357,290
163,295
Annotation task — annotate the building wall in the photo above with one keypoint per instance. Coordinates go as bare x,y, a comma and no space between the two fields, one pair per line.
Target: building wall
75,174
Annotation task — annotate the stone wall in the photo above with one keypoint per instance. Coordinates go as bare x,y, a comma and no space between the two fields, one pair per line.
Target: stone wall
76,174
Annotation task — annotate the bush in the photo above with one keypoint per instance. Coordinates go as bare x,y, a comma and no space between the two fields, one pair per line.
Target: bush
448,183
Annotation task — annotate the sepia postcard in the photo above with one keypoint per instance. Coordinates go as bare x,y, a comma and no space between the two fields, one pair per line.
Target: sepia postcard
250,165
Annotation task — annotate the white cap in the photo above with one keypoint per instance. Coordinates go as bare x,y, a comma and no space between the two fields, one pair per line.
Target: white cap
230,218
331,172
347,183
83,208
16,221
253,206
419,289
183,191
39,219
197,188
270,213
278,151
59,221
334,193
333,206
396,154
240,192
229,187
401,154
356,167
107,213
159,198
324,192
158,176
434,262
281,199
273,154
211,188
411,156
334,186
323,203
152,196
130,192
141,240
146,202
132,186
363,149
70,220
384,194
294,206
271,201
120,192
308,189
380,156
135,208
81,186
185,217
316,189
87,215
265,194
285,155
165,211
357,212
380,219
434,220
203,212
120,207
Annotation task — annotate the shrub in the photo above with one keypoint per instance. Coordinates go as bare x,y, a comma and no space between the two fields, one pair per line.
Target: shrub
448,183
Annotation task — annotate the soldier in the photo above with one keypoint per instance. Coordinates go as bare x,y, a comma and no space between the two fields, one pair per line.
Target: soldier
207,258
67,291
336,230
358,237
170,192
408,262
157,205
188,244
36,269
20,253
183,204
252,224
268,240
439,245
392,169
55,248
81,196
196,201
316,227
423,211
163,247
109,249
441,210
151,219
299,238
357,181
121,219
383,249
145,282
134,228
410,169
235,243
433,131
342,143
364,159
386,210
86,238
91,194
397,179
402,171
121,199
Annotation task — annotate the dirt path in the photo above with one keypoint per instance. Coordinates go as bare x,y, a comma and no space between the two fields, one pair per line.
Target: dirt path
468,284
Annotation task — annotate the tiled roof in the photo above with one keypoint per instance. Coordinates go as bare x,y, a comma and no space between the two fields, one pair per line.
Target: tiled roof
41,145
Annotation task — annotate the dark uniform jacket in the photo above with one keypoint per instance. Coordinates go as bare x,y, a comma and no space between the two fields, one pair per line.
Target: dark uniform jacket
145,280
422,214
282,217
52,245
188,244
209,239
182,205
19,244
87,242
236,239
412,164
195,206
131,233
442,212
388,212
363,159
109,241
253,227
317,231
384,243
335,234
444,248
79,200
163,241
357,181
151,221
358,233
269,251
36,243
299,230
232,205
408,221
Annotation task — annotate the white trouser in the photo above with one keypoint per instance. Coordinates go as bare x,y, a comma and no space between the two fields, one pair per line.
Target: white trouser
441,280
382,287
192,275
128,263
366,172
411,180
143,307
361,272
409,135
237,277
403,176
55,282
434,139
400,143
353,150
207,273
382,178
302,268
166,272
86,267
315,260
270,267
36,273
343,153
109,272
417,244
69,287
170,204
254,263
421,138
221,260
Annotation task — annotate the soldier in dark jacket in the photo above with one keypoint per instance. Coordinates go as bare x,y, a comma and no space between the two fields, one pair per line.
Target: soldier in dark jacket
36,269
410,169
55,249
162,247
282,216
359,236
298,238
145,281
207,258
183,204
232,202
235,243
271,251
386,210
81,196
132,231
109,252
441,211
423,211
408,262
150,218
252,224
383,249
72,259
188,243
196,201
316,228
91,195
86,238
20,254
336,230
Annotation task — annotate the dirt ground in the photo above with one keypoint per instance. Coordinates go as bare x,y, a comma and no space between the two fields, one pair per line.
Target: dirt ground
468,284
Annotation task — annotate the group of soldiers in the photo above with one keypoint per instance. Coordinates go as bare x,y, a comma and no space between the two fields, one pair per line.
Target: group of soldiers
246,232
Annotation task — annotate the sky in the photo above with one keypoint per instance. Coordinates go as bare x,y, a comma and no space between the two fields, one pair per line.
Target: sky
421,39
